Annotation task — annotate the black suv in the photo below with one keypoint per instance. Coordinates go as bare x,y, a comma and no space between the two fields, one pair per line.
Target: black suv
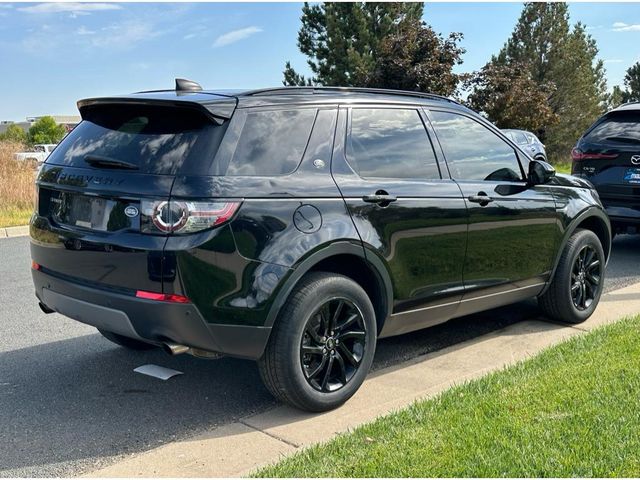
296,226
608,154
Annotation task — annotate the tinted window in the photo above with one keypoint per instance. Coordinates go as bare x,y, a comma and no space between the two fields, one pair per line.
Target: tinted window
472,151
266,142
158,140
620,127
390,143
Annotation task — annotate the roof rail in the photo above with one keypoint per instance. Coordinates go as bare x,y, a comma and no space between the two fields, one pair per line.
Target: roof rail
314,90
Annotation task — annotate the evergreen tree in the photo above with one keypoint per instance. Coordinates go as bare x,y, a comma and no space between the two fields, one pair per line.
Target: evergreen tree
373,44
562,56
632,83
617,97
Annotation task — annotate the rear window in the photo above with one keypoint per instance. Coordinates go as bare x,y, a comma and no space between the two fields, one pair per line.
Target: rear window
265,142
159,140
619,127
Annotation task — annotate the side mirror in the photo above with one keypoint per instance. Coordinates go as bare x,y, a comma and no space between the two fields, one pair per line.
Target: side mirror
540,172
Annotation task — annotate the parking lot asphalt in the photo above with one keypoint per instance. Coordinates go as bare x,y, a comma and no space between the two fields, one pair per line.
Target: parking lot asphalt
71,403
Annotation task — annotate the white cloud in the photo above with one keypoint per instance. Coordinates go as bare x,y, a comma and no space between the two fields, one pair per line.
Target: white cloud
235,36
73,7
613,60
84,31
125,35
625,27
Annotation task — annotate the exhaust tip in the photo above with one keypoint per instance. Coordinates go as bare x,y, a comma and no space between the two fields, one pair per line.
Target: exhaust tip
174,348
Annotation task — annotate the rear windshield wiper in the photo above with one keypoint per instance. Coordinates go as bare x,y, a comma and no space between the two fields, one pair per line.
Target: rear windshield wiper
623,139
107,162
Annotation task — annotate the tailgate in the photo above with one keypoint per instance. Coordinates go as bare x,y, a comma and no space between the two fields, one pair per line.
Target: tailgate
93,221
87,227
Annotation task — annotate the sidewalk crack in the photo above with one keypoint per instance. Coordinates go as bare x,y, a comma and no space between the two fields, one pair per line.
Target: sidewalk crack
275,437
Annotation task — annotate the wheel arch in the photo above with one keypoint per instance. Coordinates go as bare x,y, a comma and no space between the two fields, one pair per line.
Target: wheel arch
593,219
348,259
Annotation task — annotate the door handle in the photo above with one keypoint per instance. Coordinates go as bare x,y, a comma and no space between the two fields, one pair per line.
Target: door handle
379,198
482,198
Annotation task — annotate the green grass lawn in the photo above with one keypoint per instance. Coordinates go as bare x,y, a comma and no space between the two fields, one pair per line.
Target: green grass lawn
572,410
563,167
11,216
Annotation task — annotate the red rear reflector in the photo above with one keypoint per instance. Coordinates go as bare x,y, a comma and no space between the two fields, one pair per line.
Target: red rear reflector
162,297
577,155
34,265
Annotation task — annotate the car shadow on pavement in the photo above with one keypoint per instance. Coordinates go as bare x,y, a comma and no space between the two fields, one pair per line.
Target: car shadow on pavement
71,406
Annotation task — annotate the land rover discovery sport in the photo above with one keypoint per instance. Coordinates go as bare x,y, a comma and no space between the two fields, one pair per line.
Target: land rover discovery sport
296,226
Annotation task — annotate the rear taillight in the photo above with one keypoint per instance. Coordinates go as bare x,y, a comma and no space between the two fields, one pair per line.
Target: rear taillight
34,265
162,297
578,155
184,216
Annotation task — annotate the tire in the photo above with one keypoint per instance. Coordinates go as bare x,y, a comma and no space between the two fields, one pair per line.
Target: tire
286,368
126,342
563,301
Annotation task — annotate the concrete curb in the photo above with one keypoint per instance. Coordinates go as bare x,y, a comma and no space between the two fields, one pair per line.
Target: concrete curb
9,232
239,448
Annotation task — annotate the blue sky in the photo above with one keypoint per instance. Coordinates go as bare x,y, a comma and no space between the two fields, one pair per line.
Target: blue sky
52,54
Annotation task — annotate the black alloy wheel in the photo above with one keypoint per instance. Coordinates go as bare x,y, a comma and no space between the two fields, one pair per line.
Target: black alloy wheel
333,345
322,345
577,284
586,276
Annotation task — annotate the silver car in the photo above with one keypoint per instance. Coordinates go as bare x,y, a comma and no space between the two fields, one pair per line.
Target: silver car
528,142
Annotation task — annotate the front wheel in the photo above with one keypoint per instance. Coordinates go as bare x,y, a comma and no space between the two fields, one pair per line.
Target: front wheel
577,285
322,345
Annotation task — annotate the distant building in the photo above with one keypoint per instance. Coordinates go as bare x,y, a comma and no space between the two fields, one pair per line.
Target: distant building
69,122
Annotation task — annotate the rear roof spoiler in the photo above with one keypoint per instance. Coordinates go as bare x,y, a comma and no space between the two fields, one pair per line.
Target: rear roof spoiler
218,108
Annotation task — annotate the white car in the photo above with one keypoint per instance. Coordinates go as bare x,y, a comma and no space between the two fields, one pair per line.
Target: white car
528,142
39,154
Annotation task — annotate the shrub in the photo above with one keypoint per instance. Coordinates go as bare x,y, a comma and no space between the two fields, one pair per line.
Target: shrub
17,190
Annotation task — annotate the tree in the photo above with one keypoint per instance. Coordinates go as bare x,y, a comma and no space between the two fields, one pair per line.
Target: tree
14,133
632,83
46,130
510,97
565,57
415,57
631,92
375,45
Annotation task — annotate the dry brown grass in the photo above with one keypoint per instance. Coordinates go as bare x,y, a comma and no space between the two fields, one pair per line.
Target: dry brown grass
17,191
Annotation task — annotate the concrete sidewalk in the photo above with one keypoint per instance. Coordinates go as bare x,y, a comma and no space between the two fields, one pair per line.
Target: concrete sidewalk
239,448
20,231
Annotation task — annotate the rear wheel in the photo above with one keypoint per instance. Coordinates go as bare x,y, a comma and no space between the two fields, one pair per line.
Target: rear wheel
322,346
126,342
577,285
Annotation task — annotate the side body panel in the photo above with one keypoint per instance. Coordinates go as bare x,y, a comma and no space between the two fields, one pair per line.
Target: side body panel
420,238
235,276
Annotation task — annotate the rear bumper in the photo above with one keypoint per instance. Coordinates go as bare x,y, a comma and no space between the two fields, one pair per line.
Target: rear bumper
151,321
621,214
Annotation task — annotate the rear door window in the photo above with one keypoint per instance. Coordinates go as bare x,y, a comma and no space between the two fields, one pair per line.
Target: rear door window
618,127
265,142
390,143
156,139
